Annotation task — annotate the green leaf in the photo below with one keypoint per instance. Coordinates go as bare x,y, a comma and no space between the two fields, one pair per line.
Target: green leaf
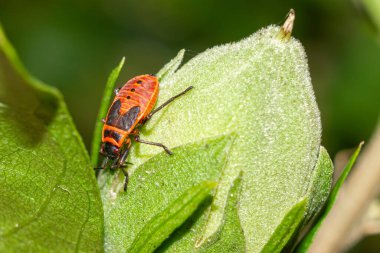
231,238
287,228
108,91
164,223
320,184
373,9
49,197
258,88
154,185
308,240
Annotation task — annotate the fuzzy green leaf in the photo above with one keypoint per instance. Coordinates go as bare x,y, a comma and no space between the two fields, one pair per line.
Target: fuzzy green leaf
154,185
258,88
320,184
49,197
286,229
171,67
308,240
164,223
231,238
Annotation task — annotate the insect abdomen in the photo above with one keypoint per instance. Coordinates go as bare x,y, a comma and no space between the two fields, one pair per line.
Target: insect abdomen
140,91
133,103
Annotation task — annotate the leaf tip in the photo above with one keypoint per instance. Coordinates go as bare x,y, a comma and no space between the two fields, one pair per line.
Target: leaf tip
358,149
121,64
172,66
181,53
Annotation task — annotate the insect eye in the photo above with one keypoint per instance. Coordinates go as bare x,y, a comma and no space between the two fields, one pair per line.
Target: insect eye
115,151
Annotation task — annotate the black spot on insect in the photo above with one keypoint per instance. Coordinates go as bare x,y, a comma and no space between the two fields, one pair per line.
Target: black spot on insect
128,97
107,133
139,82
133,90
116,136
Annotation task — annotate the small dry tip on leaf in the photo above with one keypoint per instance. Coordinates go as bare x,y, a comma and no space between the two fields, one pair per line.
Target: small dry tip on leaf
287,27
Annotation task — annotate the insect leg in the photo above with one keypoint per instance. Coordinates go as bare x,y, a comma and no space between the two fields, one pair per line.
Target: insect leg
126,178
166,103
121,164
118,164
102,166
137,139
124,156
115,164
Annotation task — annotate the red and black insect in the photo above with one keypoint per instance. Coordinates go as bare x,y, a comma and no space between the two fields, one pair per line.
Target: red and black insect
131,108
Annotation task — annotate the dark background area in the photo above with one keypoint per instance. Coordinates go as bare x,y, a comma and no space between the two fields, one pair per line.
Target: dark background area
73,45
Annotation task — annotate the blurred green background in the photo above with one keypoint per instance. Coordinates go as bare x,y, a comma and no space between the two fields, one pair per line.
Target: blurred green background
73,45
